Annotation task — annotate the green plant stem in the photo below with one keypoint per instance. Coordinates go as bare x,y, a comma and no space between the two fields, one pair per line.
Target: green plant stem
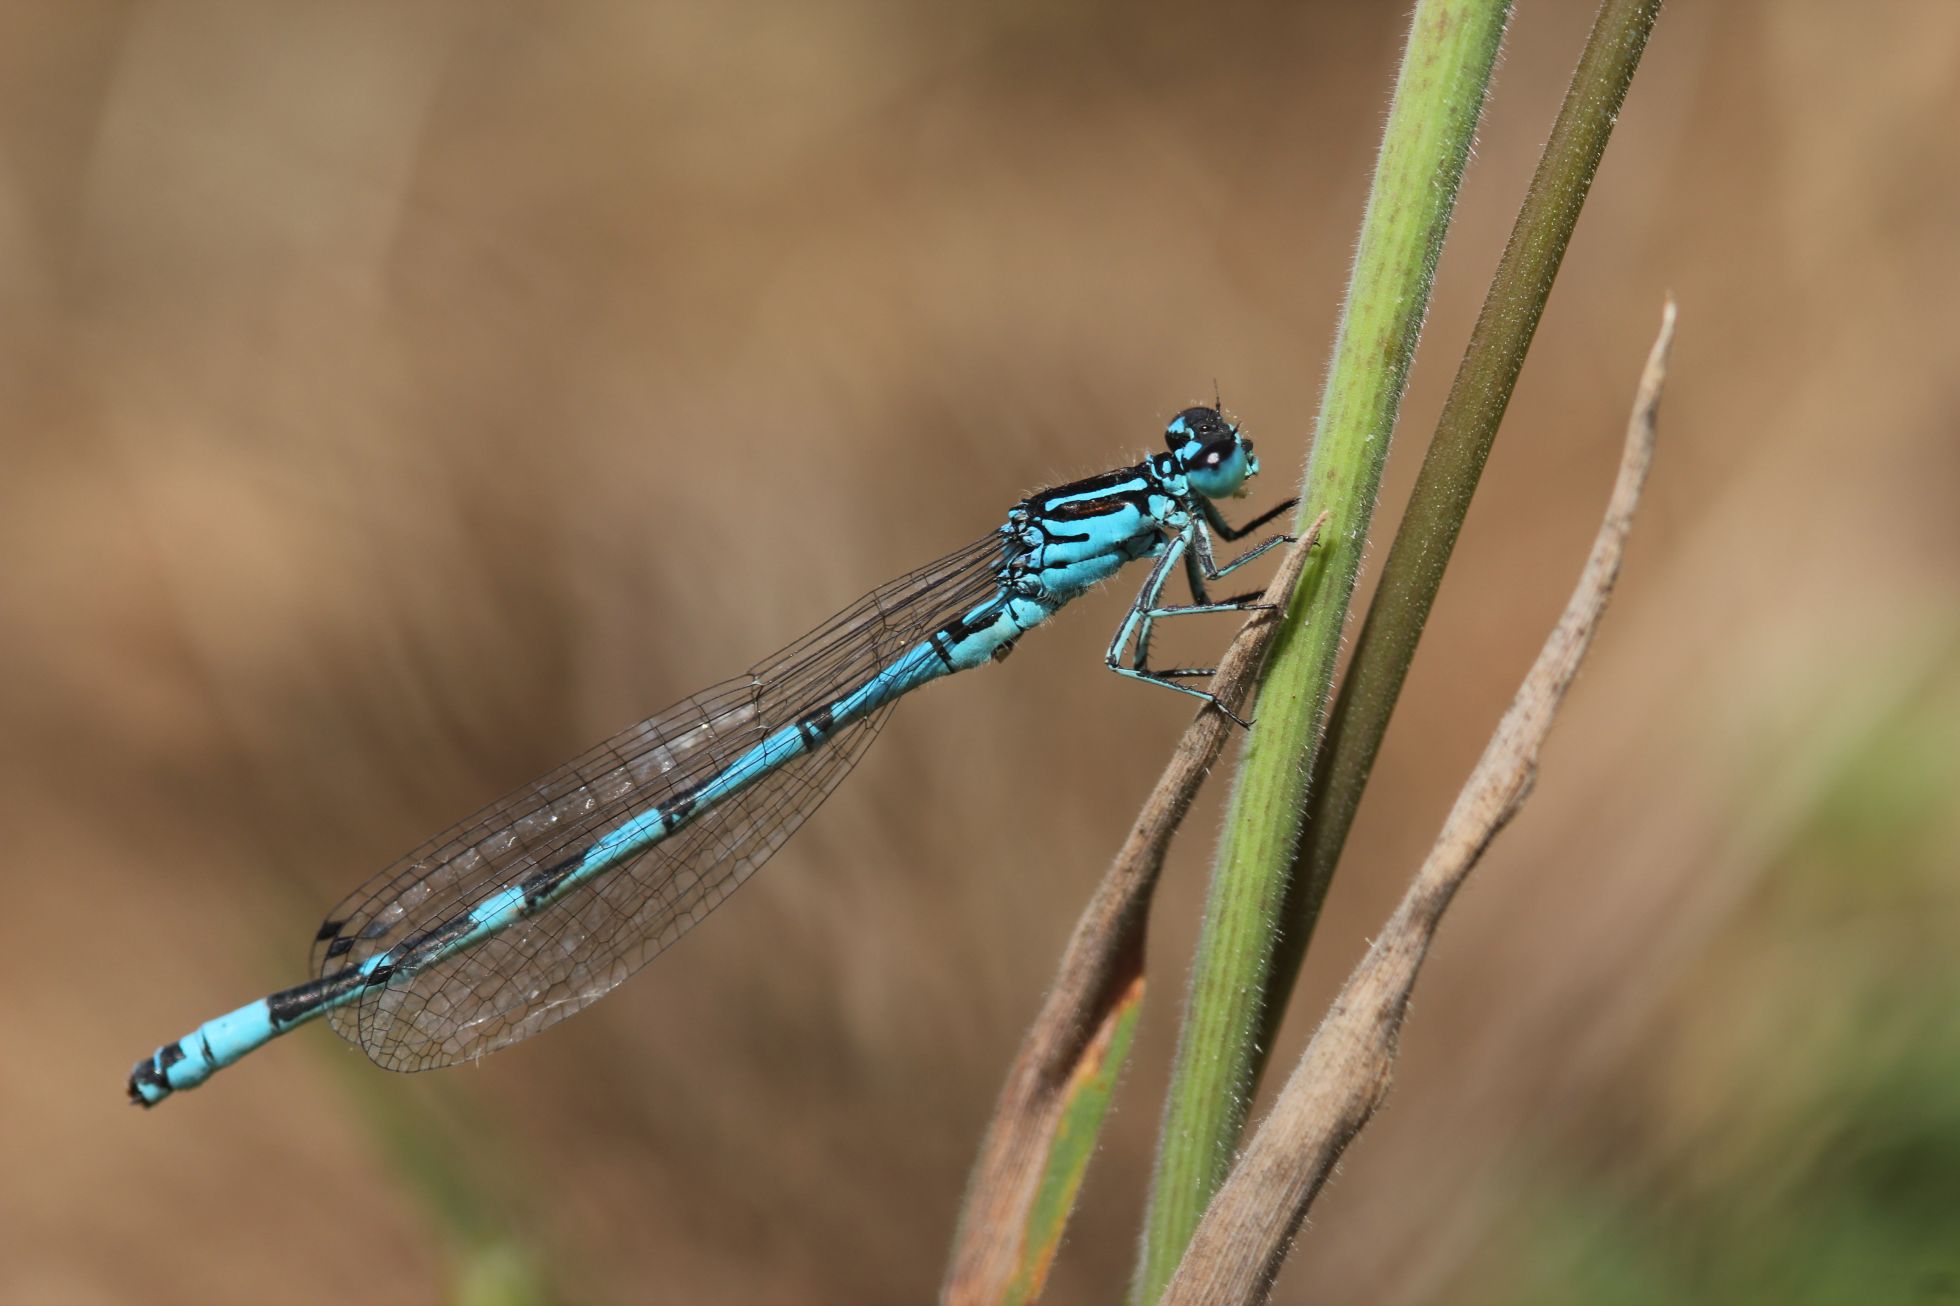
1450,472
1439,94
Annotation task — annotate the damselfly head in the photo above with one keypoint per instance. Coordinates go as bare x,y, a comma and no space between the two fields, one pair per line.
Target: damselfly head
1214,457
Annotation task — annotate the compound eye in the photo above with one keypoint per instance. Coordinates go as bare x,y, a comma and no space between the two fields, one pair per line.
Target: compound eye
1202,425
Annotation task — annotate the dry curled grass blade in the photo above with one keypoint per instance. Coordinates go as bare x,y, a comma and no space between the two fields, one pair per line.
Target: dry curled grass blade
1345,1072
1051,1108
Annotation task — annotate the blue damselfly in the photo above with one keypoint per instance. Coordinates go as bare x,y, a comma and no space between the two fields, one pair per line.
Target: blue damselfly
545,900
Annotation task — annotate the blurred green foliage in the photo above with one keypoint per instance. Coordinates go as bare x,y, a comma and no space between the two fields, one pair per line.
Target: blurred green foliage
452,1162
1804,1142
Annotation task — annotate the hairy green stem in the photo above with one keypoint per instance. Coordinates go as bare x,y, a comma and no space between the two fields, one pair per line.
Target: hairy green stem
1449,475
1439,94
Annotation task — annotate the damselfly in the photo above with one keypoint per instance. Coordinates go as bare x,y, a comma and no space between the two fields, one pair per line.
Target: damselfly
542,902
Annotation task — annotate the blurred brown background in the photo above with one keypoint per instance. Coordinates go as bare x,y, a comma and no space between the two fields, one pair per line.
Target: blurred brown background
398,397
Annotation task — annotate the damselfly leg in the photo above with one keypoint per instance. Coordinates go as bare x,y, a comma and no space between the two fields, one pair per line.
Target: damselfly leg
1191,547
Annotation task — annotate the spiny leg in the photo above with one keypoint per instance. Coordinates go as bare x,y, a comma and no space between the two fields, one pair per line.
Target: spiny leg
1200,565
1237,603
1194,576
1227,531
1137,620
1142,613
1213,570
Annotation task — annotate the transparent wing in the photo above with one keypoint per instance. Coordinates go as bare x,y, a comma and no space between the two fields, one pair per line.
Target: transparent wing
544,968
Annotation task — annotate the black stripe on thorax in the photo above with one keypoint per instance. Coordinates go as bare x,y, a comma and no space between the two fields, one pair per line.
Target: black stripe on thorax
1132,484
1087,487
1108,506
